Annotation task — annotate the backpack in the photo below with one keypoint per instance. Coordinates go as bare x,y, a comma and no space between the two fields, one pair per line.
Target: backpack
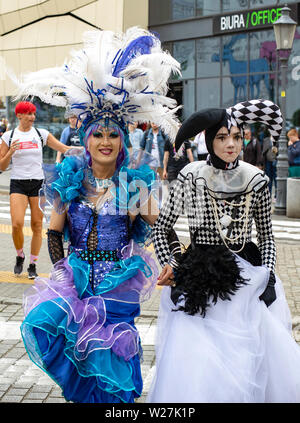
12,134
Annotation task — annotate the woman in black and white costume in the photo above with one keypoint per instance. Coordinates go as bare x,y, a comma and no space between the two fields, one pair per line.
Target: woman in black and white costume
224,326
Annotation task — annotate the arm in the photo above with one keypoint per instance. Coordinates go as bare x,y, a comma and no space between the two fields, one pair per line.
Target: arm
163,232
294,150
265,240
166,158
190,154
7,153
53,143
55,236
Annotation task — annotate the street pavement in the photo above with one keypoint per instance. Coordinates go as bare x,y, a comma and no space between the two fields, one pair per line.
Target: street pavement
23,382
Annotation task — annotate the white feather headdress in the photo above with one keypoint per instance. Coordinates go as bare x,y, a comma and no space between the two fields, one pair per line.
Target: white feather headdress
120,76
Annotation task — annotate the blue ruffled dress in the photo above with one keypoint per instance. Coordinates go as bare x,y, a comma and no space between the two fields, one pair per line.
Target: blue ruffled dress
79,323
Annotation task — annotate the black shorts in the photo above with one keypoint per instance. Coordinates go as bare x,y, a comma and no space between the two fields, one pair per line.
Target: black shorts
28,187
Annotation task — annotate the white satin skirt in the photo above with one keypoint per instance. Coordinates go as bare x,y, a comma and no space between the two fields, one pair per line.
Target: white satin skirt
241,352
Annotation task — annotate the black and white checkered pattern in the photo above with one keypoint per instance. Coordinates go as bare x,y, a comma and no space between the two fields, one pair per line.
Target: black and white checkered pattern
263,111
196,204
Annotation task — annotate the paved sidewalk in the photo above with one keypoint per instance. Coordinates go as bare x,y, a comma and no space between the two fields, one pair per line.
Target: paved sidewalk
21,381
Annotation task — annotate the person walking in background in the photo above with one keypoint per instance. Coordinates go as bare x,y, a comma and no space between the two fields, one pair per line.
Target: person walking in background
153,142
69,136
269,152
201,146
135,136
251,149
173,161
24,147
293,153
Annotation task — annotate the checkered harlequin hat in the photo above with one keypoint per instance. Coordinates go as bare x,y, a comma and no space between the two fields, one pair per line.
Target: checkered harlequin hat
263,111
246,112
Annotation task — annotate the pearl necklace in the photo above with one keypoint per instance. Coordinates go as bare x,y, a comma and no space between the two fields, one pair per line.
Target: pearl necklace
226,220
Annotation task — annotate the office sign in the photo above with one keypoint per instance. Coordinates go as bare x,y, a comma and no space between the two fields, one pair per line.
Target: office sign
250,19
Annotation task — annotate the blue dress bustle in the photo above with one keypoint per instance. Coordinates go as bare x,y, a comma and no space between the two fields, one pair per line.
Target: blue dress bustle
79,323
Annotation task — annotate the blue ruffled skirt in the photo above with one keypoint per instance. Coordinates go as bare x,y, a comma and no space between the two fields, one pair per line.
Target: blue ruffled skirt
88,344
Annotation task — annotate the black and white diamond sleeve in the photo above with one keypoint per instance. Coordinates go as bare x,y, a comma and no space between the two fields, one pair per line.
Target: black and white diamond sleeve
167,218
263,223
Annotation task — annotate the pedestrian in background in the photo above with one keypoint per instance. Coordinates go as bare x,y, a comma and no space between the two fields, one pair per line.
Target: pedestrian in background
23,146
153,142
251,149
135,135
201,146
173,161
269,152
69,136
294,153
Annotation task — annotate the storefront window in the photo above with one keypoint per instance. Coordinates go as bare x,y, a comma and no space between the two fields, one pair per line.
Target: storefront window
234,5
168,10
234,55
182,9
188,98
258,4
208,7
234,90
184,53
208,56
208,93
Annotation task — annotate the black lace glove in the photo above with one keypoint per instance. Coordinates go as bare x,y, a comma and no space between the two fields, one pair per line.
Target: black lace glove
55,245
269,294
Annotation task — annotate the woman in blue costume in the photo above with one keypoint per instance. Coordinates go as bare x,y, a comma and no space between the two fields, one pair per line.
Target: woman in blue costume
79,323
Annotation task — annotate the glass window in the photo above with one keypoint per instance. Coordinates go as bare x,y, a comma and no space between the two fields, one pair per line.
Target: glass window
289,1
261,85
234,89
234,5
188,98
207,7
184,53
208,56
182,9
234,54
259,4
294,58
160,11
208,93
262,55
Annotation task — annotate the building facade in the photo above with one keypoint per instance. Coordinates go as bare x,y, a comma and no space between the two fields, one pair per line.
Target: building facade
226,48
227,51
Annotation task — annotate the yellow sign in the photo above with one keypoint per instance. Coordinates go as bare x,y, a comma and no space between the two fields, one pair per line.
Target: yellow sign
282,93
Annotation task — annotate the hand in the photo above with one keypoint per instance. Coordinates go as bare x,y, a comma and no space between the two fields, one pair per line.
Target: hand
269,294
166,277
15,145
165,174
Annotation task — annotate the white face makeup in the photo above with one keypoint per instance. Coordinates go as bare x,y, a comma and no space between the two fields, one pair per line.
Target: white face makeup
227,146
104,145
